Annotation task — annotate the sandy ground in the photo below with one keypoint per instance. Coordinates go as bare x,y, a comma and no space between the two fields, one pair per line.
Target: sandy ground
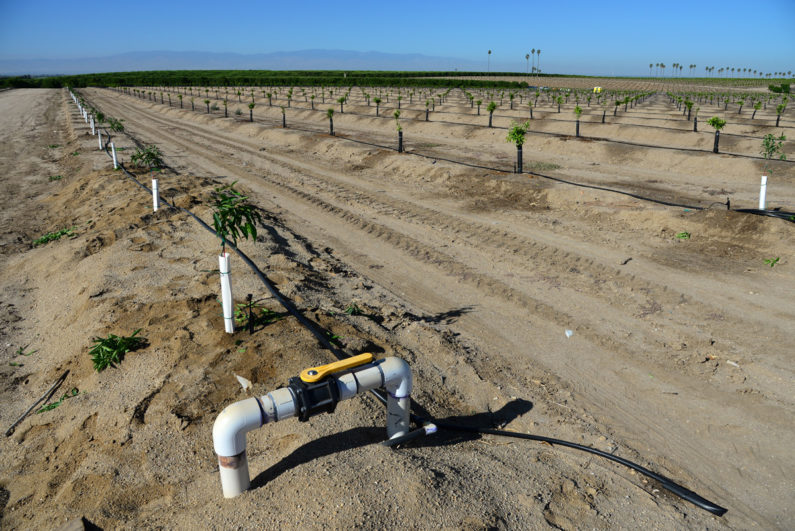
679,355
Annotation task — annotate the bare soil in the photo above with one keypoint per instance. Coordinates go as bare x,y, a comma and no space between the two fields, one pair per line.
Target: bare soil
679,355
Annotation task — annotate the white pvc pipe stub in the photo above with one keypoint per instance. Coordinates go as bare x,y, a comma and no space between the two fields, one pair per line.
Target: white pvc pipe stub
763,192
99,136
113,152
226,293
155,196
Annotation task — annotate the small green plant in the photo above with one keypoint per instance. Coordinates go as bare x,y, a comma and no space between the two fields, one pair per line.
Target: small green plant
21,352
55,178
110,350
259,314
150,157
353,309
52,236
772,261
772,149
238,112
232,216
683,235
75,153
53,146
69,394
115,125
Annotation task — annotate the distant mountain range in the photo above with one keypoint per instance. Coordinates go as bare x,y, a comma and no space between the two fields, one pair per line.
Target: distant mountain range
297,60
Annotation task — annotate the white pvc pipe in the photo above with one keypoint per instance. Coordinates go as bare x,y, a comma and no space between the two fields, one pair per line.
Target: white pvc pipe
155,196
226,295
231,426
113,152
99,136
93,132
762,192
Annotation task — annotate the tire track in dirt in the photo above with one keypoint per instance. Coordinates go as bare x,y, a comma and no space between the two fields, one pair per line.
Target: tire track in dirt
610,397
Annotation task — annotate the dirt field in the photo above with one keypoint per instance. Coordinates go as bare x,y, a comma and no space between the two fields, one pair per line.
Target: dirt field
679,356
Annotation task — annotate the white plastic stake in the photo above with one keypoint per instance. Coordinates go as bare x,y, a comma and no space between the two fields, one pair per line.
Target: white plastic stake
99,136
155,196
762,192
113,152
93,131
226,293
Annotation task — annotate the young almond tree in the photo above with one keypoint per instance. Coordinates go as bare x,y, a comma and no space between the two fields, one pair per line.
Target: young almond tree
427,108
270,99
226,109
479,103
192,106
251,112
207,102
757,106
399,130
284,117
717,124
180,100
772,149
341,101
779,111
577,113
689,105
377,102
312,100
530,105
330,114
491,108
516,135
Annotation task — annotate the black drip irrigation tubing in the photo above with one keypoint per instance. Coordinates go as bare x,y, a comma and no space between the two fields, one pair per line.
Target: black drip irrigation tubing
664,482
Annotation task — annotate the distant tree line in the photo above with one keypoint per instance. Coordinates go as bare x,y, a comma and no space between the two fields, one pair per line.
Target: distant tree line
166,78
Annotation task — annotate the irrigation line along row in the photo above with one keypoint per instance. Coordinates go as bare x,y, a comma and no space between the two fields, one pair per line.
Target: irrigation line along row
664,482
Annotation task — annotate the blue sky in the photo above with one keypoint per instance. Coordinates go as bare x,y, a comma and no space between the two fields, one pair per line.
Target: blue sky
575,36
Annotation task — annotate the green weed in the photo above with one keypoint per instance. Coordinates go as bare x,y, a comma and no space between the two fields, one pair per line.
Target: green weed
353,309
53,146
772,261
53,405
110,350
52,236
683,235
55,177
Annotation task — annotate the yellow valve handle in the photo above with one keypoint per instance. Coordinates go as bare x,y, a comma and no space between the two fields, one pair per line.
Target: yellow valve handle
315,374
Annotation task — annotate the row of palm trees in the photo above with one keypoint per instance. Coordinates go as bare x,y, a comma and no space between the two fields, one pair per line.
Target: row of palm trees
527,58
729,71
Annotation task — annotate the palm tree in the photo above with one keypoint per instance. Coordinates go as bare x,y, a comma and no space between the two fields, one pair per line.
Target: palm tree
527,58
650,65
538,62
330,114
488,67
491,107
